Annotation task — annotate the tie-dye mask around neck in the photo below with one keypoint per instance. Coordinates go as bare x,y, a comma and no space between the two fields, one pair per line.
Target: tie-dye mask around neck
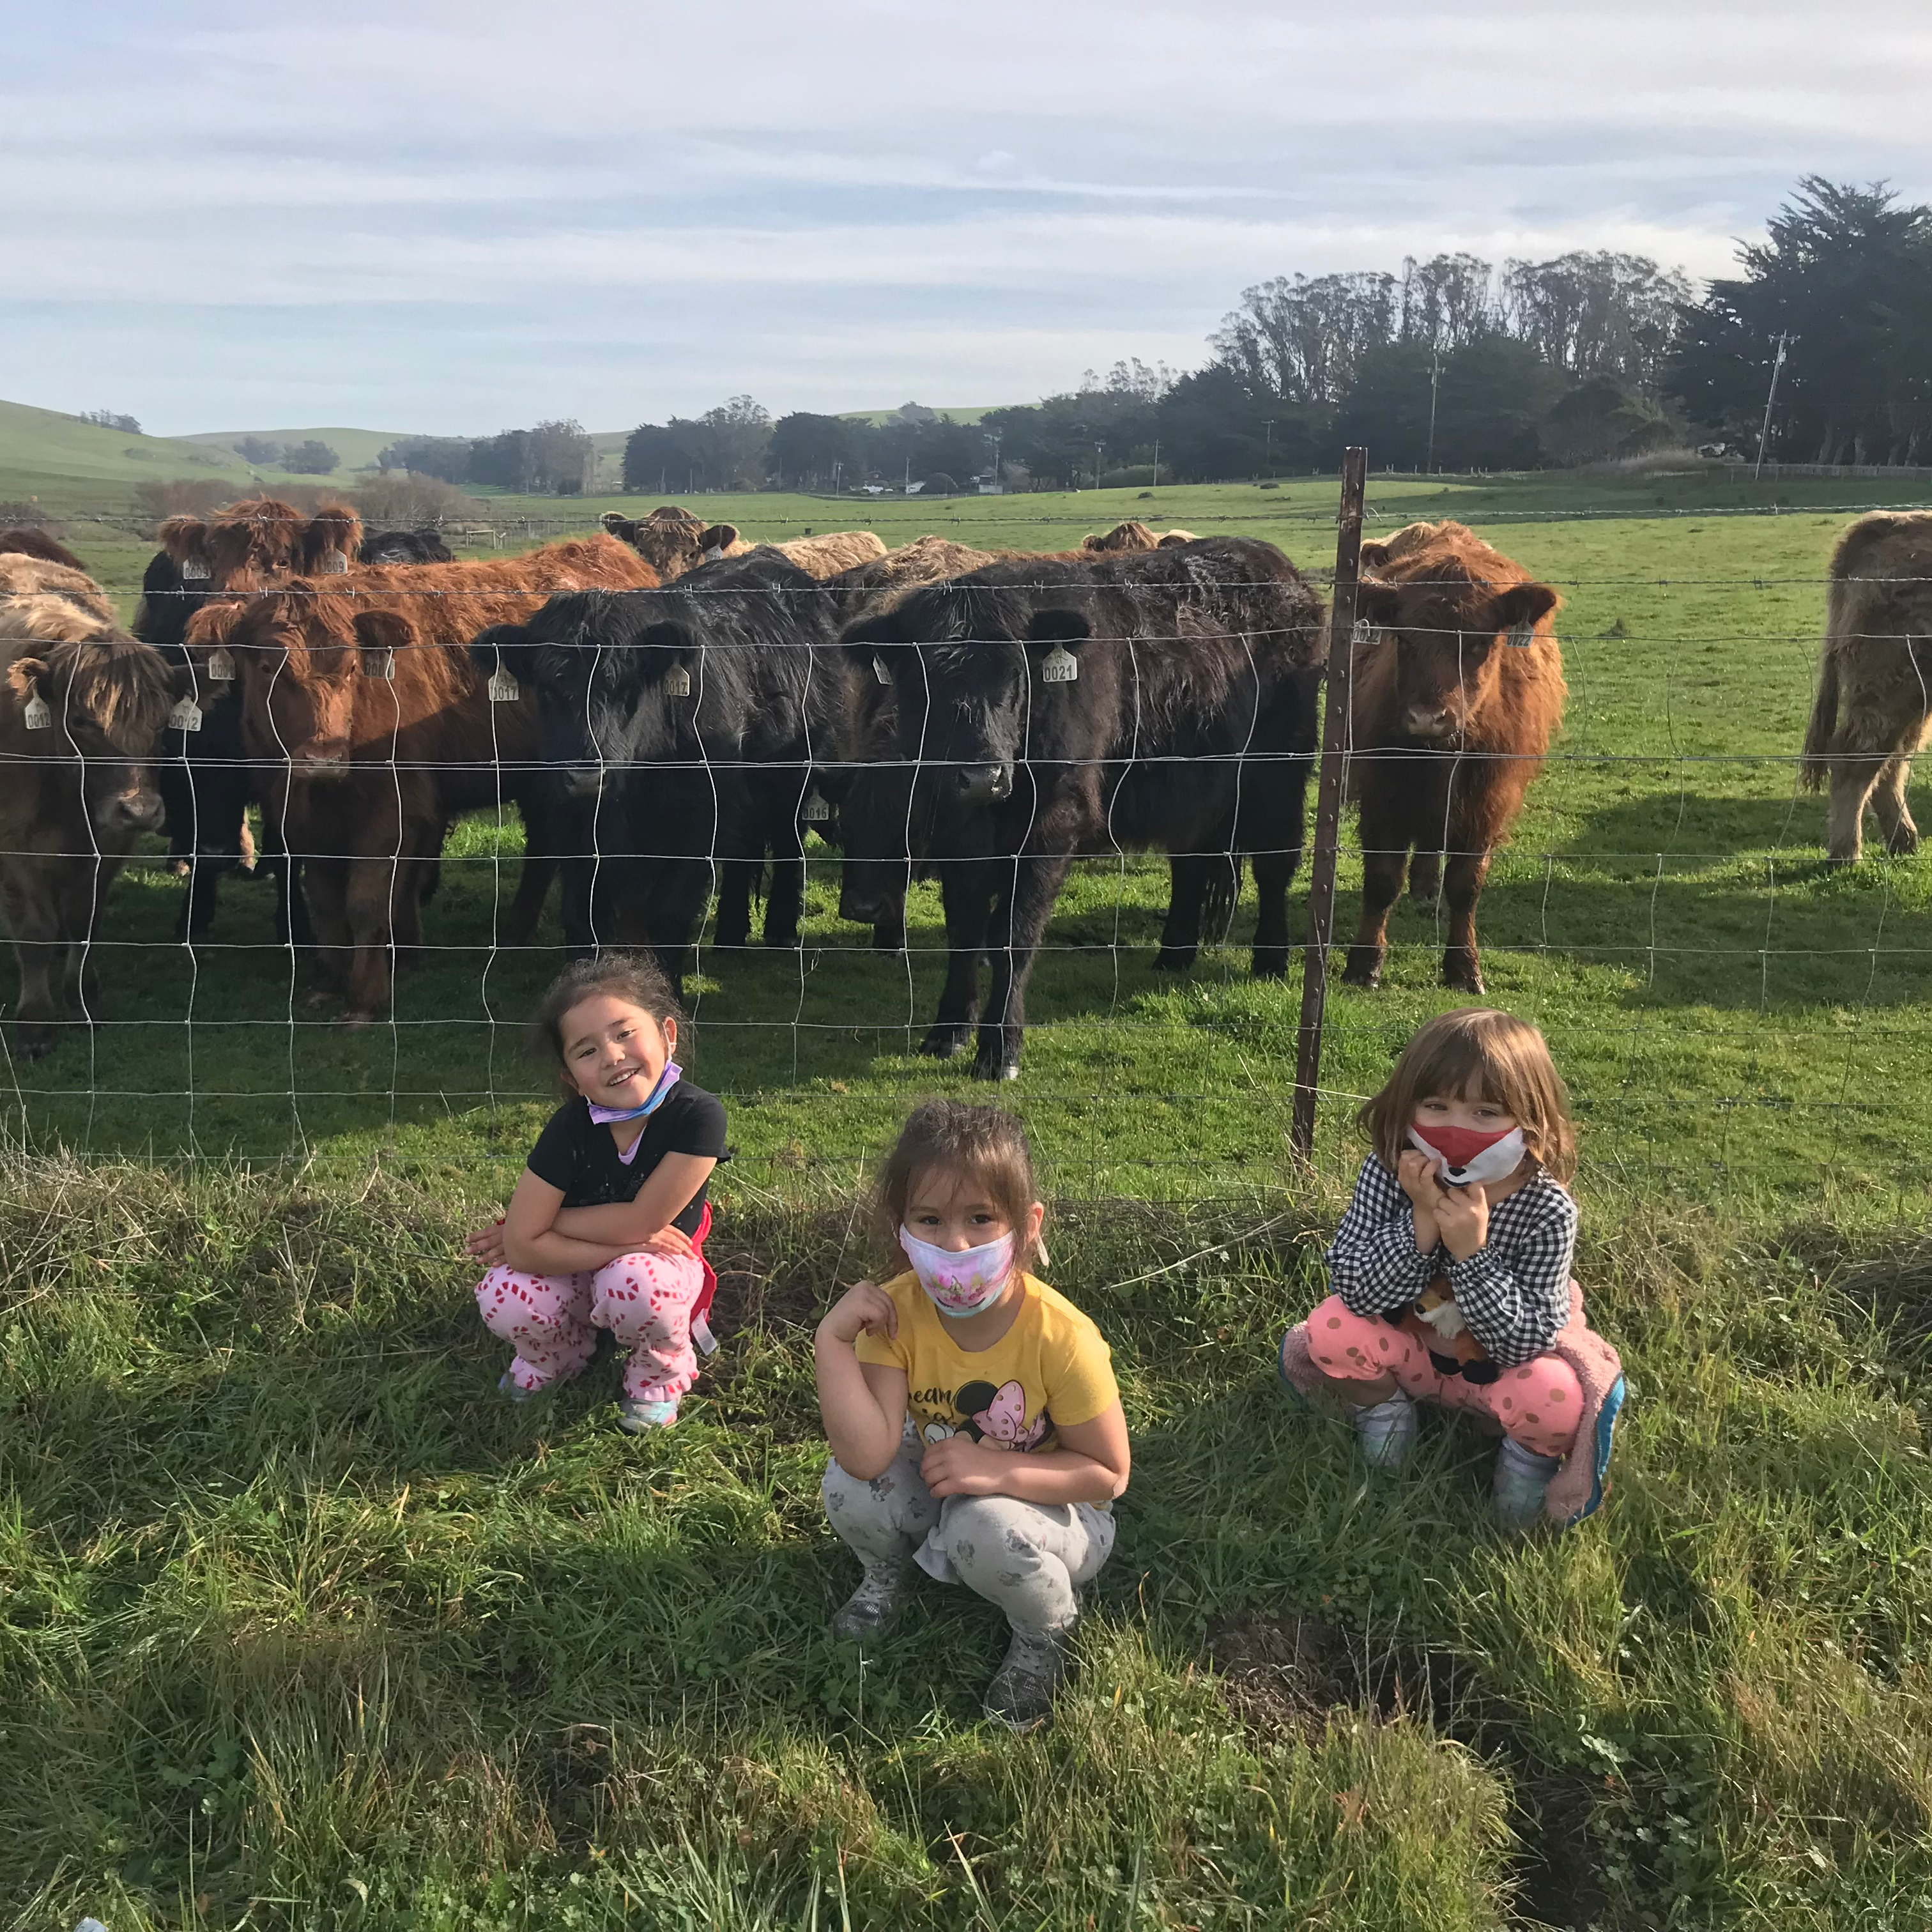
603,1116
1469,1155
968,1282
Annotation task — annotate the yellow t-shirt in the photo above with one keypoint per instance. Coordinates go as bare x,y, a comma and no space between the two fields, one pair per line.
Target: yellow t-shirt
1050,1367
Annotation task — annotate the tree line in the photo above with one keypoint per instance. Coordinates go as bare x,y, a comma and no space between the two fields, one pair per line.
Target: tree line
1453,363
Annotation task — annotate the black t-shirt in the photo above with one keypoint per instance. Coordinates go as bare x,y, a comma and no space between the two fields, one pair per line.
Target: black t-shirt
575,1153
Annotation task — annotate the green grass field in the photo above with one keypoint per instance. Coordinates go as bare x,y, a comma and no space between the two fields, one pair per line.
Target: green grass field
298,1626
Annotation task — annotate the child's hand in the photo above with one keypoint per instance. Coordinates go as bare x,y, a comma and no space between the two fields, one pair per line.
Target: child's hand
672,1241
1462,1213
1416,1171
487,1245
867,1306
958,1466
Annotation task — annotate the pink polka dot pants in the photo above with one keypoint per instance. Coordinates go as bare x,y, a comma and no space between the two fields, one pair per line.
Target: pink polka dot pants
1539,1404
551,1321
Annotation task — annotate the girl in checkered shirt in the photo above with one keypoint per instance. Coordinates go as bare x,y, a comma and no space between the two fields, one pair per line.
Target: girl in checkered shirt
1451,1268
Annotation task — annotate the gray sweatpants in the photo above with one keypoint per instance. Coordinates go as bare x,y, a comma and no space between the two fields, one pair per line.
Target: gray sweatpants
1028,1558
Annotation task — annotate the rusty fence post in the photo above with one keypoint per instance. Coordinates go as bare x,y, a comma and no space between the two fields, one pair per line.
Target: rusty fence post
1328,801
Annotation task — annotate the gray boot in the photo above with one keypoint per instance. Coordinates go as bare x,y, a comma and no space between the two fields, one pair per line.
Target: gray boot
1020,1694
874,1607
1521,1484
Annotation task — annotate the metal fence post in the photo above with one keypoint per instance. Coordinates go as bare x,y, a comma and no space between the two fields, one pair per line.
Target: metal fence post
1328,801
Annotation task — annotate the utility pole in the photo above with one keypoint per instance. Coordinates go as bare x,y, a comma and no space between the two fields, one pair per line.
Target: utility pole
1268,446
1435,376
999,482
1097,448
1785,339
1157,463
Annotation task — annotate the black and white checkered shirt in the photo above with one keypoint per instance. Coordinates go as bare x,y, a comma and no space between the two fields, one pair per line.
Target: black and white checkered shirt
1514,1291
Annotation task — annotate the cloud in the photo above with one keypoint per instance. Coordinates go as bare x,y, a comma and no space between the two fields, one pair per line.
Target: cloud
457,217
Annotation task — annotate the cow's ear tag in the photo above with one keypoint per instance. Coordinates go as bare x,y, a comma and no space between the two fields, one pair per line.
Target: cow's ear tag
1362,635
504,689
879,669
816,811
37,714
713,555
1059,666
677,682
186,716
379,664
193,571
334,563
220,667
1521,635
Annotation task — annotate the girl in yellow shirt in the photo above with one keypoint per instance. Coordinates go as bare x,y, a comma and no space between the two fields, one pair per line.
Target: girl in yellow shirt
975,1427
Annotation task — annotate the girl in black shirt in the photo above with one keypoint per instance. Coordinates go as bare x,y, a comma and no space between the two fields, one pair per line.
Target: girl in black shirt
606,1229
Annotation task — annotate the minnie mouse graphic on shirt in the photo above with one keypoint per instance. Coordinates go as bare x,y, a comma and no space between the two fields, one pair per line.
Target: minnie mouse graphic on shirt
994,1415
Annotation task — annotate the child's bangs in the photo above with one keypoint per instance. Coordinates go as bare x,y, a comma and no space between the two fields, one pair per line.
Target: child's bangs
1463,1066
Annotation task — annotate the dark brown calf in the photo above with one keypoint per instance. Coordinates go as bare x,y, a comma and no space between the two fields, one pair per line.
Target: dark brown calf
359,700
1455,698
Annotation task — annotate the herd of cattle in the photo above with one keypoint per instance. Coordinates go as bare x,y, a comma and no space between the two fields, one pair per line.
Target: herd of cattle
671,709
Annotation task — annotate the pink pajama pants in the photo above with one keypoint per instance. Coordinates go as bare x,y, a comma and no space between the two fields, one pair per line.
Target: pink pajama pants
645,1300
1540,1404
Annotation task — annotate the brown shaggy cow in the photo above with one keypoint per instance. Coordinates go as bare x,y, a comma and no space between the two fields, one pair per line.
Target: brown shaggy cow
1134,536
81,704
672,541
24,541
1456,699
1873,704
258,542
837,550
358,694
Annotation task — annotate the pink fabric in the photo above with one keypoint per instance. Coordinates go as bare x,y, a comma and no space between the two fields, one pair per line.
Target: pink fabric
1538,1403
1595,1364
646,1300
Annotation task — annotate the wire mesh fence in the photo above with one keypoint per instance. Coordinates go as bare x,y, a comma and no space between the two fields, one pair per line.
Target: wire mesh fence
715,767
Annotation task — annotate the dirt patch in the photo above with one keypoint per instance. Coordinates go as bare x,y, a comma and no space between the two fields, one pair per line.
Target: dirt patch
1557,1873
1280,1673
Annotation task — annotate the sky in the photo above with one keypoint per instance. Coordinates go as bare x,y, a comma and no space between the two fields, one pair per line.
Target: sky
459,219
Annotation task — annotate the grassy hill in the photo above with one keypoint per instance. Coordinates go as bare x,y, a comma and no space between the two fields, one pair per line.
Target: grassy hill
46,443
358,448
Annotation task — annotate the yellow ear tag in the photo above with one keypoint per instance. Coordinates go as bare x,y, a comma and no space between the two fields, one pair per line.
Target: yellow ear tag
677,682
220,667
503,688
1059,666
36,714
186,716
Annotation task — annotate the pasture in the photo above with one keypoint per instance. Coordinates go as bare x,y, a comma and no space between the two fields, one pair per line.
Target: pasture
298,1625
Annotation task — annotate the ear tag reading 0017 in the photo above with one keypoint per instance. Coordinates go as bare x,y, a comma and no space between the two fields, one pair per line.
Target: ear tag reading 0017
186,716
879,669
1059,666
503,688
220,667
816,811
379,664
677,682
37,714
193,571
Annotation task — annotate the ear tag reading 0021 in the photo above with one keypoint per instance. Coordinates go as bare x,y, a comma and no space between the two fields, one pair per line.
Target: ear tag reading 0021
379,664
879,669
220,667
37,714
193,571
677,682
186,716
816,811
503,688
1059,666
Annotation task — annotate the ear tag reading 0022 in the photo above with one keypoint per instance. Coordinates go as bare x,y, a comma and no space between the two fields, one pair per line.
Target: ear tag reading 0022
1521,635
677,682
503,688
1059,666
220,667
186,716
37,714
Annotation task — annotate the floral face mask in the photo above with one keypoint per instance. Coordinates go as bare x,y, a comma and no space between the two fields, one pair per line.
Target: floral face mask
961,1282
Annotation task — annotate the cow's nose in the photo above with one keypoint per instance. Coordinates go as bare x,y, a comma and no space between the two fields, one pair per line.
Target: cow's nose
1427,720
141,810
584,781
986,784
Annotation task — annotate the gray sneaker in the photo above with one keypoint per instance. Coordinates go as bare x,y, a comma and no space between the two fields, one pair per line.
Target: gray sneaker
874,1607
1523,1484
1387,1432
1020,1695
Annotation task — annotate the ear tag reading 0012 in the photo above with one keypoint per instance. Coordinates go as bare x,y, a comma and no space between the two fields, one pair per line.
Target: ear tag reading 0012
220,667
37,714
677,682
503,688
379,664
816,811
879,669
186,716
1059,666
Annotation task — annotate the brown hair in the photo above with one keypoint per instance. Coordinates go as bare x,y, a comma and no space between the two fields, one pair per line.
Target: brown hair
984,1145
1480,1055
634,977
